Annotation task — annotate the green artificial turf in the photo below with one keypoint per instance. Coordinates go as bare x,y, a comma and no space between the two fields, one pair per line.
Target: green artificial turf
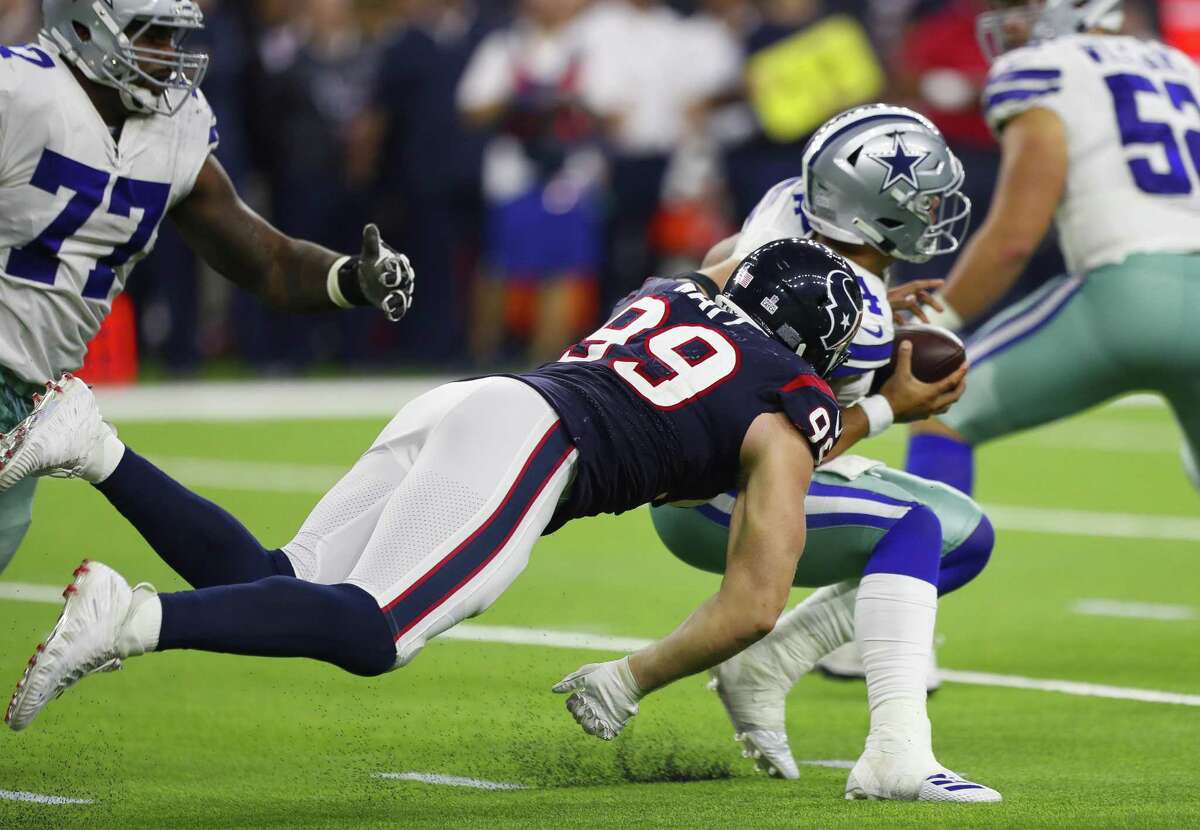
197,740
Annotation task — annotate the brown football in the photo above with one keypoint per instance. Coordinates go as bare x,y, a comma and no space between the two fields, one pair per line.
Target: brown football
937,352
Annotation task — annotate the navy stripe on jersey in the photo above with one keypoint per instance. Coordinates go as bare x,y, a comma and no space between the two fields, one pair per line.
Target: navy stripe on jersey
1026,75
470,557
1017,95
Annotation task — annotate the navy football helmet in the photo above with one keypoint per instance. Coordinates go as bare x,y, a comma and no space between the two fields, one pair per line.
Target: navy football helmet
802,294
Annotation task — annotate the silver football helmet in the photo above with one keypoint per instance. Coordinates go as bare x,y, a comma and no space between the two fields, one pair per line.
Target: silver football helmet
100,37
883,176
1013,24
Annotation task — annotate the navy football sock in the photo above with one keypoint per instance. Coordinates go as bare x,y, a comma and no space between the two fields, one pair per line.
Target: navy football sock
282,617
913,547
966,561
199,540
939,458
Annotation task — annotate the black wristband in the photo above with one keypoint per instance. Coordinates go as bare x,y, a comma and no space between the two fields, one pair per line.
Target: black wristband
347,279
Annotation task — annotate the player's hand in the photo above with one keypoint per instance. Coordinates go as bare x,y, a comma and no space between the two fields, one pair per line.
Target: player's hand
386,277
604,696
915,400
908,300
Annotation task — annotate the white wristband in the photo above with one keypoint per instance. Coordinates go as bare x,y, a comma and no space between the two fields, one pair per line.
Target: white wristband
947,319
331,284
879,414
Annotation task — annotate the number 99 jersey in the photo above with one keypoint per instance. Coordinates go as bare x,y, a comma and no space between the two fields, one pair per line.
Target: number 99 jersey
658,401
78,206
1131,112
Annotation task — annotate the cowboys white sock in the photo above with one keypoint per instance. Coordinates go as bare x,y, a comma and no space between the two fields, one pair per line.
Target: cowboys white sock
894,618
815,627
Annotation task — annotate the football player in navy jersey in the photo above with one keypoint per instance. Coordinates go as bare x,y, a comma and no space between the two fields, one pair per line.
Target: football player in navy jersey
682,395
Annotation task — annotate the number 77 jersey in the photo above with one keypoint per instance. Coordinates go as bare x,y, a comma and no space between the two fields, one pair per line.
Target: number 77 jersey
1131,113
658,401
78,206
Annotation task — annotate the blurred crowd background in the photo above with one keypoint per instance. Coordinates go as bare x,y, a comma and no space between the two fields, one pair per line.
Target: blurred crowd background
536,159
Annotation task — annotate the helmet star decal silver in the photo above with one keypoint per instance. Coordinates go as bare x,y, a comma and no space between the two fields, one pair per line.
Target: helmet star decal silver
900,163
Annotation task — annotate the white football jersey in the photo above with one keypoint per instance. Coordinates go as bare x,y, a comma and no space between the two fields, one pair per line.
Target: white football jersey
1131,111
78,209
778,216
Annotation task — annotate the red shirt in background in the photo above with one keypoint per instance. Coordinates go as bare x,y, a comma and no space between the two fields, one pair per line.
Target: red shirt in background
940,51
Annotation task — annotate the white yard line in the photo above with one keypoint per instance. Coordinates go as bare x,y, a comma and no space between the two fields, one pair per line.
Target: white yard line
24,592
1134,610
254,400
38,798
316,479
832,764
583,641
448,780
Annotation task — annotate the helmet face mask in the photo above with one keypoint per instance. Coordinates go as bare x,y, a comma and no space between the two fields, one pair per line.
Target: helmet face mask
1009,25
883,176
119,43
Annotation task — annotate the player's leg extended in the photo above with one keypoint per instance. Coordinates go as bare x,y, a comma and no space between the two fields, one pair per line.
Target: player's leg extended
1047,357
519,467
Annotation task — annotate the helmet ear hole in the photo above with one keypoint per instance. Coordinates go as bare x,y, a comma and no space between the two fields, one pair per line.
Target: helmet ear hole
83,32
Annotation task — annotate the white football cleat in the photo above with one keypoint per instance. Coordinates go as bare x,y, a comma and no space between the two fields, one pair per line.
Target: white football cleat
882,776
754,697
61,436
84,641
845,663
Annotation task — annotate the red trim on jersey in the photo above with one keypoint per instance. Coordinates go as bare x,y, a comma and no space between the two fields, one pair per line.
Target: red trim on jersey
808,381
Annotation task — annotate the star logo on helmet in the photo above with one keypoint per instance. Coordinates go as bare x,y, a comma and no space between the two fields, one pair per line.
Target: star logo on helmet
900,163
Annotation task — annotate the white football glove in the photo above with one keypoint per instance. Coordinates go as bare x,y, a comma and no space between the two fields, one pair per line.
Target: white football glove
604,697
386,277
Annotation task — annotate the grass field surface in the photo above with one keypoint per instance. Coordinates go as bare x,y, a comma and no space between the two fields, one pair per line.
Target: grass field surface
1095,580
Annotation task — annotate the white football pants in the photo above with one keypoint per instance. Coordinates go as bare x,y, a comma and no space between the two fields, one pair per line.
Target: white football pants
439,516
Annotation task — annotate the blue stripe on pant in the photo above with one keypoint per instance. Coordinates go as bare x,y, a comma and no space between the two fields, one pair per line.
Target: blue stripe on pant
485,542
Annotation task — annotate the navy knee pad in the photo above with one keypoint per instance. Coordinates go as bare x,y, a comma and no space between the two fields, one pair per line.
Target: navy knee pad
968,560
913,547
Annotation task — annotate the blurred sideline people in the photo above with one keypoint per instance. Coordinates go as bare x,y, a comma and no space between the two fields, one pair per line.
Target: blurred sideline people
529,83
365,93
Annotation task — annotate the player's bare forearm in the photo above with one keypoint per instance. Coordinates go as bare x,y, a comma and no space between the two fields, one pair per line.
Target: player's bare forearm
1029,188
246,249
766,540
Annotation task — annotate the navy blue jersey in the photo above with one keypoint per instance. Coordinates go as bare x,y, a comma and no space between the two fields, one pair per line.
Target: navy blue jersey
659,400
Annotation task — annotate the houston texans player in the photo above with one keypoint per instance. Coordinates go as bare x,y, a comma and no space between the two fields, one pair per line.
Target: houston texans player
1099,134
103,133
880,184
683,394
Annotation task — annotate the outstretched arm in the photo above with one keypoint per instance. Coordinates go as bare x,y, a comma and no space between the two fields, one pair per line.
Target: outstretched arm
1032,178
766,540
290,274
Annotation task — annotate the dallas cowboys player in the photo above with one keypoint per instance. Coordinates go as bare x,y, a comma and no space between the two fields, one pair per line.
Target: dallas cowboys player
880,184
1101,134
679,396
103,133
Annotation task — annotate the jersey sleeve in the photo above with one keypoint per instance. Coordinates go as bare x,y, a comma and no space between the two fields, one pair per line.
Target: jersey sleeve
812,407
1023,79
200,138
776,216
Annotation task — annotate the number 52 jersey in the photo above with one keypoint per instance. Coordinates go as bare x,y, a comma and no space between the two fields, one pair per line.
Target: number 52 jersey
78,206
658,401
1131,112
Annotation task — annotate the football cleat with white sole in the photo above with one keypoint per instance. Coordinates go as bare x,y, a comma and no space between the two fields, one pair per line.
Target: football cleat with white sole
881,776
845,663
754,697
84,641
61,436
